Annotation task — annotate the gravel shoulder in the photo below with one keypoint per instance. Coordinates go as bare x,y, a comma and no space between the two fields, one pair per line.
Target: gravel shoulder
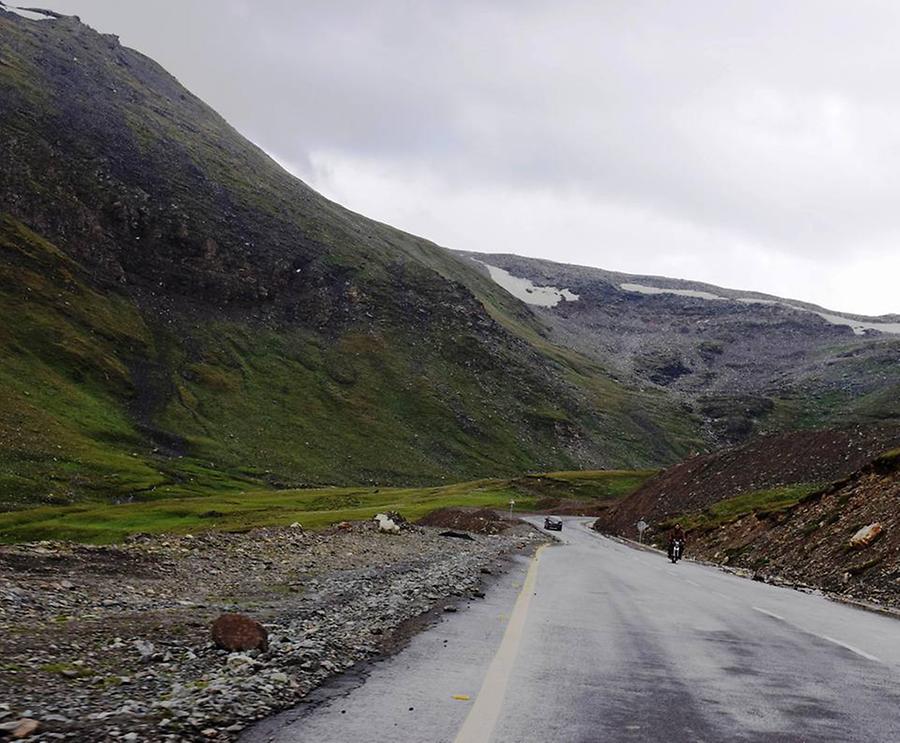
113,643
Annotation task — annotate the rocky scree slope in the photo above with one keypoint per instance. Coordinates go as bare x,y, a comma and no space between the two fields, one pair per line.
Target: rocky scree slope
179,314
798,461
744,362
810,543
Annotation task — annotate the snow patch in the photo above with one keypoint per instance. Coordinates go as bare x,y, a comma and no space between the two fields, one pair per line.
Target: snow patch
858,326
644,289
528,292
26,13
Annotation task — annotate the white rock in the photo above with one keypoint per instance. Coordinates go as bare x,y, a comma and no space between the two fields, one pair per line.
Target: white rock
387,524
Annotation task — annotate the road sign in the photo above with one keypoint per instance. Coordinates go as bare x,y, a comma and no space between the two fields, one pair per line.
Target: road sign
642,526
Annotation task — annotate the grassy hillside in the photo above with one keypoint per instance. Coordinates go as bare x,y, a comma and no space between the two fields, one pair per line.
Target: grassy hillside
313,508
179,315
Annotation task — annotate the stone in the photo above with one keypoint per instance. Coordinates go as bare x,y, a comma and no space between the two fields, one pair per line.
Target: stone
25,728
145,648
239,632
386,524
865,536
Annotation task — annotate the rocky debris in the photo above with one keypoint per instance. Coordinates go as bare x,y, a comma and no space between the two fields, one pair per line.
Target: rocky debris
844,539
762,463
239,632
865,536
113,643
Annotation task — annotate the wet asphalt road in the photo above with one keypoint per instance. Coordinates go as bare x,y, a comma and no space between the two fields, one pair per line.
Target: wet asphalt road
610,643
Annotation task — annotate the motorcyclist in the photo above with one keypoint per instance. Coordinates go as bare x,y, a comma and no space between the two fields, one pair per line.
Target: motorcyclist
676,535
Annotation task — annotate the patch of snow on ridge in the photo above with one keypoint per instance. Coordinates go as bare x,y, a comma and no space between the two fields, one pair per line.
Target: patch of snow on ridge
26,13
524,289
643,289
858,326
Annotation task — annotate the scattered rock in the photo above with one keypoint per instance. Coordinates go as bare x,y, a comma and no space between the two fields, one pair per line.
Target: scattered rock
387,524
458,535
865,536
141,649
239,632
22,728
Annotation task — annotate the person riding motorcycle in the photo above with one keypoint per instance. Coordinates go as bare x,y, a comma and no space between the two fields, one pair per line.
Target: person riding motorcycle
675,536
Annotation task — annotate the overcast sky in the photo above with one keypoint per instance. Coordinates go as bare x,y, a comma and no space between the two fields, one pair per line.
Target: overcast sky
754,145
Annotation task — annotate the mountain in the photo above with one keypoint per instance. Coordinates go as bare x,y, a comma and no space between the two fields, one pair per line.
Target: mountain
743,362
178,314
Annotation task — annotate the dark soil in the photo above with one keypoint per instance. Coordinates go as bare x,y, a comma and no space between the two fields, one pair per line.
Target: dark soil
481,521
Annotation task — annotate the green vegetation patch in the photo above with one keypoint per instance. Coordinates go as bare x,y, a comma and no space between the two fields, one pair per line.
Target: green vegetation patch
760,502
313,508
587,485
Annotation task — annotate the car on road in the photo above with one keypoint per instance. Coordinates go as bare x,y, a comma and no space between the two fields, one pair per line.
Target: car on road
552,523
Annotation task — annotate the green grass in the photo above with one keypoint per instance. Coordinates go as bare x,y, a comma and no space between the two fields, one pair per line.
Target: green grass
760,502
313,508
586,485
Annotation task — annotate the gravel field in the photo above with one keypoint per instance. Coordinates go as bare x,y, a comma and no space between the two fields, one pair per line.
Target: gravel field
113,643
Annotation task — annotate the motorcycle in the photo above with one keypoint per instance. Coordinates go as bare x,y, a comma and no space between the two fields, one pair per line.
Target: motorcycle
676,550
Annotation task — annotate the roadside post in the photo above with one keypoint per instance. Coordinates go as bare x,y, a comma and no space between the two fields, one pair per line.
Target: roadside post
511,504
642,526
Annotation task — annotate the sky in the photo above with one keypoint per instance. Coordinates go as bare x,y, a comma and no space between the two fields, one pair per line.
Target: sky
752,145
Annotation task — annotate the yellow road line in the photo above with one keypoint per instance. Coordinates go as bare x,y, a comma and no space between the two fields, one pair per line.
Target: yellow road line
482,718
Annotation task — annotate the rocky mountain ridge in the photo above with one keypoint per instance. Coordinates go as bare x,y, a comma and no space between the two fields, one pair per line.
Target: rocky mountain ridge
744,362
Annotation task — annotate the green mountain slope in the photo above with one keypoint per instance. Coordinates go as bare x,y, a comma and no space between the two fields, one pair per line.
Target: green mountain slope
180,315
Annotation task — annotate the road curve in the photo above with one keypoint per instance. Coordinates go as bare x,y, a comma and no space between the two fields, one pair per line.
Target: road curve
608,643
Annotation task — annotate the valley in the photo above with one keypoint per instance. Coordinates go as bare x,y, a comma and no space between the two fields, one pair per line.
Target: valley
258,451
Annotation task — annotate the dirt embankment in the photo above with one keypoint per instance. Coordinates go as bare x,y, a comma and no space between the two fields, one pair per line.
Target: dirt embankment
477,521
765,462
810,543
114,643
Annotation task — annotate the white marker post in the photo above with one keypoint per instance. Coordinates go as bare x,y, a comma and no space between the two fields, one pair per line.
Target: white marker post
511,504
642,526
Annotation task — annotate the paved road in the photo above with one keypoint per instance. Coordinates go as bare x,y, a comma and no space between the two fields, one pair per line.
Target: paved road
597,641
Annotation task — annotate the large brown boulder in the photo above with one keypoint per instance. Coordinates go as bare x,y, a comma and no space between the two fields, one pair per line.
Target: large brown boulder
239,632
